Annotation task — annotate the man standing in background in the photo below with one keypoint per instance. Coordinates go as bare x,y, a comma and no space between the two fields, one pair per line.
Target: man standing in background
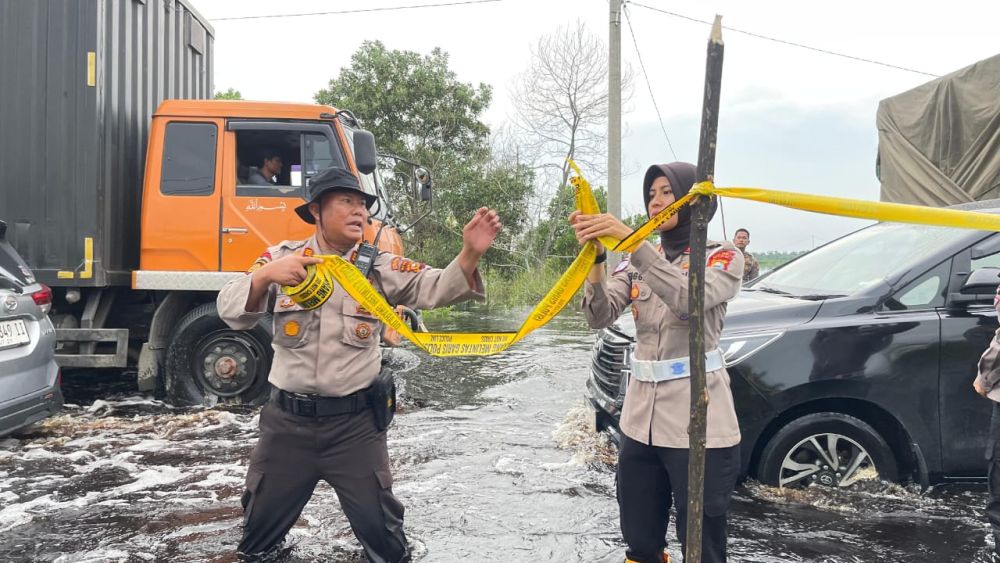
751,268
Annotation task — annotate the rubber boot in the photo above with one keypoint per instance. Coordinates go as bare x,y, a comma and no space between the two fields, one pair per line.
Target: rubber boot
666,558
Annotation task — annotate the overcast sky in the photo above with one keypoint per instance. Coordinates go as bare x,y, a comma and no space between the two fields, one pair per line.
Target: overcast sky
791,119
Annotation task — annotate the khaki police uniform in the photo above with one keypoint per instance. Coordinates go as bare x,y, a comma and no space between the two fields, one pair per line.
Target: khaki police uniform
331,351
654,420
989,377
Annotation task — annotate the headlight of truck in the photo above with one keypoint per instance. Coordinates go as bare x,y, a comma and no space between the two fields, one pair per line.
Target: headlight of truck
739,347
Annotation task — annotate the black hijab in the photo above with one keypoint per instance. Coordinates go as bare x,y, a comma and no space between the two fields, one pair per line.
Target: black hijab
681,177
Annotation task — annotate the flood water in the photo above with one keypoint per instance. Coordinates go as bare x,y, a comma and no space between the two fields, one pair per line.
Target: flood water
491,456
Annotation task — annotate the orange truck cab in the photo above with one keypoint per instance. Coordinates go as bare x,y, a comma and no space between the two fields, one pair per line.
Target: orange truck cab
200,211
135,198
204,221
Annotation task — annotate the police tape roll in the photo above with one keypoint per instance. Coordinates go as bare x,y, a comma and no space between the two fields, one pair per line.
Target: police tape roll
314,290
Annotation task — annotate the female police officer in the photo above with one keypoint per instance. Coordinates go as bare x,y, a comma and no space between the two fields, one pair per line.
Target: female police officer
323,420
653,460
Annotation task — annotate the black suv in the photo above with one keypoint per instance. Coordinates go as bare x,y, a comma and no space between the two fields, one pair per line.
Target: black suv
853,360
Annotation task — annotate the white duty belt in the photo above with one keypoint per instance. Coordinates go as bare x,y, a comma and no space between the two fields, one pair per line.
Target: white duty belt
654,371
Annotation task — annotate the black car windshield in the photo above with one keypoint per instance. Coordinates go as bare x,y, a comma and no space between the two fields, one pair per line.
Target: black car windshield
859,260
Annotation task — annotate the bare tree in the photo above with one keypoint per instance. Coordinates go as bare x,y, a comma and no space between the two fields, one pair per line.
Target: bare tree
561,103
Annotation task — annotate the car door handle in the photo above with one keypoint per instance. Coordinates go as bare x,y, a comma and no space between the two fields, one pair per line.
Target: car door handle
234,230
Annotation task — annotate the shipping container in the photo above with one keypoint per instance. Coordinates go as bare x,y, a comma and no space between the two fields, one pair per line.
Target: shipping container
81,80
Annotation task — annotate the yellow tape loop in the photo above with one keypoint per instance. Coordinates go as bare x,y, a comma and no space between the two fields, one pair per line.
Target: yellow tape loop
705,188
315,290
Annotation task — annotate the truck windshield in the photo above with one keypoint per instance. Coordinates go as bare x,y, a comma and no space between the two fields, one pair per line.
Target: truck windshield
859,260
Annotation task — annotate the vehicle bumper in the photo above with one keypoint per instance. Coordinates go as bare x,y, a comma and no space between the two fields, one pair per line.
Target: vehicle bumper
605,410
30,409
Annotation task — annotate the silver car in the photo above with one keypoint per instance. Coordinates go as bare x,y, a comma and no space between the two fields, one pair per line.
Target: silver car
29,376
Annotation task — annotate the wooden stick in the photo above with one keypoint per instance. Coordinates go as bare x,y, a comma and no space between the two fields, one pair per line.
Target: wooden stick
696,296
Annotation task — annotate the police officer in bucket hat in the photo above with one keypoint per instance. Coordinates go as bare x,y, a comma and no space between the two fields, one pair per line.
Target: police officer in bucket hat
329,408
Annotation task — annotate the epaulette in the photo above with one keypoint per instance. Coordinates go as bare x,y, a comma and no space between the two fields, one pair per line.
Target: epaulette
291,244
621,267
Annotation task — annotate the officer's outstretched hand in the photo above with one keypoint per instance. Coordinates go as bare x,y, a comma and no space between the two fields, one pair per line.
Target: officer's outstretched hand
288,270
479,233
589,227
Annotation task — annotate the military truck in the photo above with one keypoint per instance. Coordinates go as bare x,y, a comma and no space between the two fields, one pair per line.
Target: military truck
127,189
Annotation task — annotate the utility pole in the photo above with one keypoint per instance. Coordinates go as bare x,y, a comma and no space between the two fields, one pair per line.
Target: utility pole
615,115
696,295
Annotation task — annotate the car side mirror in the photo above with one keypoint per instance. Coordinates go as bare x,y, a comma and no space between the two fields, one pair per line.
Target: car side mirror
982,281
3,230
424,183
365,156
979,287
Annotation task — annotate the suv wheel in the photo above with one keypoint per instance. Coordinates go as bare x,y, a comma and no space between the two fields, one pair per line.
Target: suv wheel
209,363
827,449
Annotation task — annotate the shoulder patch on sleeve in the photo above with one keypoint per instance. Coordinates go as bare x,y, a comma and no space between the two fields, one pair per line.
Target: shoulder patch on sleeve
721,259
406,265
259,262
621,267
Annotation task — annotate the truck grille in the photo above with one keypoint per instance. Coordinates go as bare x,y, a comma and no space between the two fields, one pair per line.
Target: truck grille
609,361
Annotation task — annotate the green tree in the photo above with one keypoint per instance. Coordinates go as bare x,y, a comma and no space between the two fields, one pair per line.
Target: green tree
561,102
418,109
773,258
230,94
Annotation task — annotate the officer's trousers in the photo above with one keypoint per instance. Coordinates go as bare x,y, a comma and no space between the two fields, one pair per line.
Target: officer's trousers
651,479
346,451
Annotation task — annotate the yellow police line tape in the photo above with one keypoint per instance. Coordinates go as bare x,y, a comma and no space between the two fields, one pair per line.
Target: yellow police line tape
874,210
318,287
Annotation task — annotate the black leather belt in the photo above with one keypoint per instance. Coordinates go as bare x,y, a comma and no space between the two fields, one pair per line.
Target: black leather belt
305,404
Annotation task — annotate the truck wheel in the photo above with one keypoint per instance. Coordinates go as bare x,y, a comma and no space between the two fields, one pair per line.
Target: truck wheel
827,449
209,363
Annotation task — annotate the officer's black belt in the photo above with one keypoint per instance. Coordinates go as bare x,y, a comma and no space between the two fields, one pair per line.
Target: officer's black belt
304,404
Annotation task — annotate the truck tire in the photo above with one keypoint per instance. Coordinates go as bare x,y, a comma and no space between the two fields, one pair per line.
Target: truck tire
801,454
210,363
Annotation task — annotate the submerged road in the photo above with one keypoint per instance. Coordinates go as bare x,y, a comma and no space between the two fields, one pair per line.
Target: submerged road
491,456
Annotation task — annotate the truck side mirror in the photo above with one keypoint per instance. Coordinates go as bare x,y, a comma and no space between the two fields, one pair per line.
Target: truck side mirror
3,230
365,157
424,183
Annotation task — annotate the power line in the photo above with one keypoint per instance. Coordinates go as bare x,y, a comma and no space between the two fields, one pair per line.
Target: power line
358,11
648,85
783,42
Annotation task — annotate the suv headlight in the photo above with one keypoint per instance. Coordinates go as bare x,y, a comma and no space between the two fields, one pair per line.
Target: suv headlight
739,347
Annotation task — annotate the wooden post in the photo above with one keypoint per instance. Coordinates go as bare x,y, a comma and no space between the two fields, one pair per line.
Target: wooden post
696,296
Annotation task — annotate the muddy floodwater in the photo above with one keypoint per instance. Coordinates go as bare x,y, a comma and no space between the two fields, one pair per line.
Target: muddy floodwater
491,456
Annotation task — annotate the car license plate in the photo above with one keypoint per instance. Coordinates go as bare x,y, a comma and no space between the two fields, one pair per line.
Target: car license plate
13,333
